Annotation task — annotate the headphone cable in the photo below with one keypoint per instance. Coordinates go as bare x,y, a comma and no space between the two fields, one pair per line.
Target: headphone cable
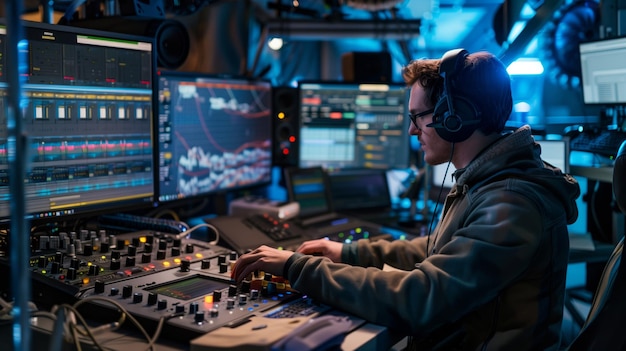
432,218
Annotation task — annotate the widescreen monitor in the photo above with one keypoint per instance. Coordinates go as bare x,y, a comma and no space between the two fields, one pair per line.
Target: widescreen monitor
603,71
214,135
88,103
352,125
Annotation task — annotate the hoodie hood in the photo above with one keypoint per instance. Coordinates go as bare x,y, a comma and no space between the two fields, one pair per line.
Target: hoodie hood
518,155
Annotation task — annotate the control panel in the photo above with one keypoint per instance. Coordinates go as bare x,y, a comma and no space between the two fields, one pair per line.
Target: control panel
153,276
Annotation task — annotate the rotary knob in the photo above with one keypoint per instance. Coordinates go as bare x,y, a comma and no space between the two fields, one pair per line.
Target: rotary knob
198,317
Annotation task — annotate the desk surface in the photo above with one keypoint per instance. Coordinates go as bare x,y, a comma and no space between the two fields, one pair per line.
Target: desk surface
603,174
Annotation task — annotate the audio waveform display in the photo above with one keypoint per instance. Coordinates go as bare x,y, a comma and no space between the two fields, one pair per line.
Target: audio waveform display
214,135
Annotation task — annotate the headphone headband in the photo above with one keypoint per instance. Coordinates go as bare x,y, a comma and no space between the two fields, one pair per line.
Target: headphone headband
455,117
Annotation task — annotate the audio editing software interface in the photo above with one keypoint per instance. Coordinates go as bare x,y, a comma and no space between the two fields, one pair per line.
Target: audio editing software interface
88,109
351,125
214,134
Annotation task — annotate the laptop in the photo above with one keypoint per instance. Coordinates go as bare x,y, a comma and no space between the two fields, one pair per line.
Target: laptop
360,191
317,219
310,189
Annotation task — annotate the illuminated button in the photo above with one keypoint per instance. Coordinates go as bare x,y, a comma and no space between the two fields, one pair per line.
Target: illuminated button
208,299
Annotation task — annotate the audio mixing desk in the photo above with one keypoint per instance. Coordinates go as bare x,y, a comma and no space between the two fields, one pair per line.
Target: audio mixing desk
178,287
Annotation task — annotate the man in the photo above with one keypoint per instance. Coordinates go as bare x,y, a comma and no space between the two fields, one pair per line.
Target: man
491,276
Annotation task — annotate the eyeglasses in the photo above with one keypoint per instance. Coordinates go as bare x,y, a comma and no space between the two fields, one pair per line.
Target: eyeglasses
414,116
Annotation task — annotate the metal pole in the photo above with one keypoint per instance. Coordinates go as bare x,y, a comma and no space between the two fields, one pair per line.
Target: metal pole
17,152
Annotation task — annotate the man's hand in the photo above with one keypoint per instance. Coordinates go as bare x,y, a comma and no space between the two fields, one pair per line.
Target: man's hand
323,247
264,259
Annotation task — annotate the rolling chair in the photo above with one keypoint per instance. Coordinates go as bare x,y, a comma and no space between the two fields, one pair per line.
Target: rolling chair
603,328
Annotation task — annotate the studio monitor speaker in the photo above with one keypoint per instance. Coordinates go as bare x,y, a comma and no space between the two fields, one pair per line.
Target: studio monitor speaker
370,67
286,126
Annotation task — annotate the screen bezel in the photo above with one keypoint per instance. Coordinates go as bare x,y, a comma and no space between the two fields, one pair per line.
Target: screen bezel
219,192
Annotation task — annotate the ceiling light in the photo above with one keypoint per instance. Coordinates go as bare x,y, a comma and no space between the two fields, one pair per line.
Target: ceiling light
275,43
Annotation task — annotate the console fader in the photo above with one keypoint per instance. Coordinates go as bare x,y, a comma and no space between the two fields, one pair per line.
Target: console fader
152,276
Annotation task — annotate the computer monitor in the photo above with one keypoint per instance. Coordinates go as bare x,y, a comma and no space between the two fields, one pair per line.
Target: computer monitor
603,71
556,152
88,103
442,175
214,135
352,125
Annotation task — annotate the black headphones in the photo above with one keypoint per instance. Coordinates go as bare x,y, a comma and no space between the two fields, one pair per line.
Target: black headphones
455,117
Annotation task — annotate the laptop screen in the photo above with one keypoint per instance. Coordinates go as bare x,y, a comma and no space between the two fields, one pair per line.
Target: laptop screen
359,189
308,187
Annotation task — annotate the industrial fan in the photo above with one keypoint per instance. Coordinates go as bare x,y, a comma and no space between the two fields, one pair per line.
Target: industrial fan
572,24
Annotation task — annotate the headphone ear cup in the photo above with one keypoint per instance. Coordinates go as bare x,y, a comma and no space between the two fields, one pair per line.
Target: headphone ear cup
458,126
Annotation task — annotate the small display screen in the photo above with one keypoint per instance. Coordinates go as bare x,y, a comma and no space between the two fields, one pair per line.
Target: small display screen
190,288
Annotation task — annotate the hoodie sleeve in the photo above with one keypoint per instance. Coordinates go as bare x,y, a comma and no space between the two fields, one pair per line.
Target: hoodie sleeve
500,240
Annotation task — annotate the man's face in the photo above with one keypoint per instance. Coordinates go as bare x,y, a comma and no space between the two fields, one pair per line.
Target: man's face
436,150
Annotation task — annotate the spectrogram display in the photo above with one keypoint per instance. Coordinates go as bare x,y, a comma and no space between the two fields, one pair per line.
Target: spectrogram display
214,135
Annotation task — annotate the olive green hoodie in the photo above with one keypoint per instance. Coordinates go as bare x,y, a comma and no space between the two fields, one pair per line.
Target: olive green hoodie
493,274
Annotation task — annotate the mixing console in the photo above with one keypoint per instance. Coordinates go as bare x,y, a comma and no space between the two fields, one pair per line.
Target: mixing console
153,276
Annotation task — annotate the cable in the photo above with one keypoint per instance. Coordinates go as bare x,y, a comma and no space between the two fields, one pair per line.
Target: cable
432,219
188,232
